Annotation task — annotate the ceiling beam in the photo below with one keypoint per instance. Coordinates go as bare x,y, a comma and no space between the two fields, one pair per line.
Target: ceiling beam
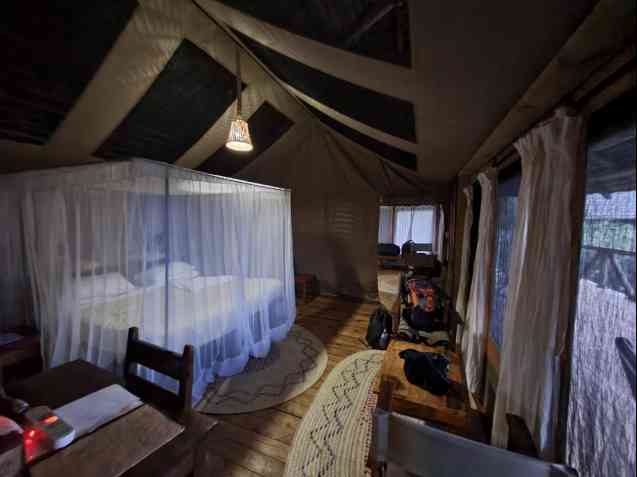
374,14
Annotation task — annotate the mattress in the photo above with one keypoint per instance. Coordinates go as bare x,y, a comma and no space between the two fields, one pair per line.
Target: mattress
214,303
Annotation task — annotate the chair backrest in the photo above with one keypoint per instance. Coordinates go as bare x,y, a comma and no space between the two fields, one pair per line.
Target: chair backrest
402,445
174,365
408,446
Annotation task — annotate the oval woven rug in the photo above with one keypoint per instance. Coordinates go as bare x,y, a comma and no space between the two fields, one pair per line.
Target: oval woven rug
292,366
333,437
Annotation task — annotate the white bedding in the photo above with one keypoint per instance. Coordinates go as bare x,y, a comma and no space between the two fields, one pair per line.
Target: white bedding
202,300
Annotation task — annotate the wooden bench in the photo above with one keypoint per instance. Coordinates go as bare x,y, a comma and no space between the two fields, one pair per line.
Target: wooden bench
450,412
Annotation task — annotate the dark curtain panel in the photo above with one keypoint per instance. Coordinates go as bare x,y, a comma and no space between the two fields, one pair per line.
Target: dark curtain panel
506,204
475,227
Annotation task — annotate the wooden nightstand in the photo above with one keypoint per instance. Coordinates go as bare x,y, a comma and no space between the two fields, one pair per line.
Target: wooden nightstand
23,356
306,285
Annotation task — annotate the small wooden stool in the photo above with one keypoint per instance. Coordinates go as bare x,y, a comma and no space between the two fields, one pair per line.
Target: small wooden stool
305,284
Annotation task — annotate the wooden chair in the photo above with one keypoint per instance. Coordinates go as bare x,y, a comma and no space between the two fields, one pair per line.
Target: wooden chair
176,366
421,449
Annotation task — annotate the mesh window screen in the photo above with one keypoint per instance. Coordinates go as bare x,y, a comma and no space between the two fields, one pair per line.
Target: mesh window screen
507,203
601,419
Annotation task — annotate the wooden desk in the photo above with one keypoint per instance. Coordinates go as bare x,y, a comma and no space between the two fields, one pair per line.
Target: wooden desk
450,412
63,384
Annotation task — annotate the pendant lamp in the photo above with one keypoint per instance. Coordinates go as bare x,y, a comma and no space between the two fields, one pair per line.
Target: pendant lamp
239,135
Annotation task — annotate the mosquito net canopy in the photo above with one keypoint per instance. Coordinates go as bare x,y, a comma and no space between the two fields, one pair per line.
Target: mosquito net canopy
188,257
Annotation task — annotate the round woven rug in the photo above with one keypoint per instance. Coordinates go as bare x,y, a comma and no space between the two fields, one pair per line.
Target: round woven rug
292,366
333,437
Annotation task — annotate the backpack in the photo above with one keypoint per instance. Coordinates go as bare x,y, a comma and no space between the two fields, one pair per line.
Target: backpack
379,328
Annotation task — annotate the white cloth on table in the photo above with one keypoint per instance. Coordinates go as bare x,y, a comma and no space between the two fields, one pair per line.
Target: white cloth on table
96,409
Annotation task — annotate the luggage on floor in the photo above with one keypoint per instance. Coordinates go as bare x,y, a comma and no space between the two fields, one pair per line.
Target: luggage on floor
379,328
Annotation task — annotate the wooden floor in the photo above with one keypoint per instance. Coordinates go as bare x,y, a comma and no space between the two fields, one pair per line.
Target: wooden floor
257,443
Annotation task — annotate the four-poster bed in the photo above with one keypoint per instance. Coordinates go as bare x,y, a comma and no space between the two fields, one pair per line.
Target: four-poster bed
187,257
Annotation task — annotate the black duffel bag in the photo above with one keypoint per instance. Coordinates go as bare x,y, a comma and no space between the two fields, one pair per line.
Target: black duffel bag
427,370
379,328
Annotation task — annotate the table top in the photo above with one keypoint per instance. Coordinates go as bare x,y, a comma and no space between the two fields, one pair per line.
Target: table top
427,259
113,448
450,412
68,382
393,367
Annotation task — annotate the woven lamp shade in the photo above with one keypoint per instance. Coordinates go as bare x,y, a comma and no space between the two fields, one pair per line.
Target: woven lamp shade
239,136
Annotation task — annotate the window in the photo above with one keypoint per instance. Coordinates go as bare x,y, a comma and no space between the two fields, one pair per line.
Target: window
507,204
413,223
385,224
601,415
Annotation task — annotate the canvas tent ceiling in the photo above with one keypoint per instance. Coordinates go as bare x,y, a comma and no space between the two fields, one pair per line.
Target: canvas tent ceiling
340,118
470,62
422,85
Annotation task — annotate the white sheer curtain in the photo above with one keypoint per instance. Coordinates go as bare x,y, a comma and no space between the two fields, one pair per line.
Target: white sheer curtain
413,223
187,257
539,282
475,329
386,224
461,297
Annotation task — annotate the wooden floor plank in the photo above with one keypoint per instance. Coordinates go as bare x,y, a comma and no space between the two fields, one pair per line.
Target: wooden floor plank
255,441
230,469
257,444
271,423
253,460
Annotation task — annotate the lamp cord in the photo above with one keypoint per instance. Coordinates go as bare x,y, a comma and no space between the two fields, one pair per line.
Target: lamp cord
238,60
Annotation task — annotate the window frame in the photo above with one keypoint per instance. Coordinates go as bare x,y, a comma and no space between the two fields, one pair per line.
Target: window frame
600,122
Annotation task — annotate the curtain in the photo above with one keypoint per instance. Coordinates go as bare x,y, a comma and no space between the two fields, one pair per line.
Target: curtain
602,392
413,223
187,257
539,282
386,224
461,301
475,329
440,234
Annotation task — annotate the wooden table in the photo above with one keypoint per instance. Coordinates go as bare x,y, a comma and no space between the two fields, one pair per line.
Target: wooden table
63,384
420,260
450,412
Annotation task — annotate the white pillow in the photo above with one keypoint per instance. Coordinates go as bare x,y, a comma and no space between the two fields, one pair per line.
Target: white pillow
157,275
104,286
182,270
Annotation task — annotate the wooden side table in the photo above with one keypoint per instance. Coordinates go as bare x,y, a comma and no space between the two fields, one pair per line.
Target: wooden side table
305,285
450,412
22,351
